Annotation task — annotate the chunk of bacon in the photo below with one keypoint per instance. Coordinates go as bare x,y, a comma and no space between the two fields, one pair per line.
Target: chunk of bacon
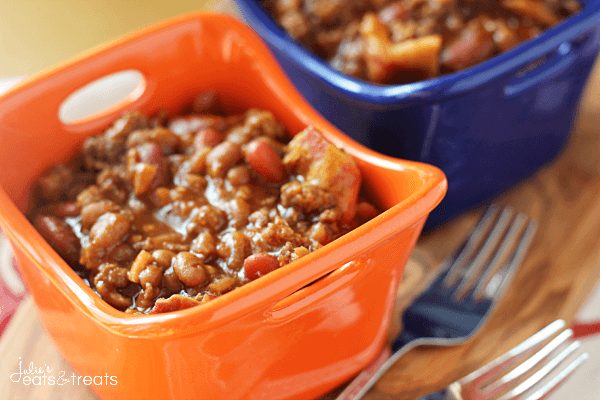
327,166
386,61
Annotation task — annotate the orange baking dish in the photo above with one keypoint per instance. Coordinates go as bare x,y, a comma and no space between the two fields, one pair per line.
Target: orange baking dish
295,333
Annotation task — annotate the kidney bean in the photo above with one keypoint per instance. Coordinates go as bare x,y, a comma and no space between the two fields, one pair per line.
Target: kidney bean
222,157
259,264
280,148
189,269
265,161
207,138
109,230
60,236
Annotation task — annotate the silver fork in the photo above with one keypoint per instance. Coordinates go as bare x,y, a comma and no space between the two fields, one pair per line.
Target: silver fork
450,310
498,377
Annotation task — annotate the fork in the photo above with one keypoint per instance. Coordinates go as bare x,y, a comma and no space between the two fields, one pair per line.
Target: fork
450,310
513,372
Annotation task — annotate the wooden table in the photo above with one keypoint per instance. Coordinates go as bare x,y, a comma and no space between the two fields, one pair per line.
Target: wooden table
557,276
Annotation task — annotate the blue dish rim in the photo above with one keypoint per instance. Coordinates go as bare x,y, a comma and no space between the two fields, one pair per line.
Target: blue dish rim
432,89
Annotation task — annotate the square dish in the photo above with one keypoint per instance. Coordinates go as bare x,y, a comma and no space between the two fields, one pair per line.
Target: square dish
276,337
487,127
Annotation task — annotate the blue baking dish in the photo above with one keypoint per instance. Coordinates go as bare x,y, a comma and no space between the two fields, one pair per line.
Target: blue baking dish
487,127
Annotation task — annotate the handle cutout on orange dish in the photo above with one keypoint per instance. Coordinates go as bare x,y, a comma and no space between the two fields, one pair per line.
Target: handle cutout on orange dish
316,290
101,96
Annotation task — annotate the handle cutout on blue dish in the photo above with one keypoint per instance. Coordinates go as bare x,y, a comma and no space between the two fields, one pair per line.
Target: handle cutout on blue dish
101,96
543,69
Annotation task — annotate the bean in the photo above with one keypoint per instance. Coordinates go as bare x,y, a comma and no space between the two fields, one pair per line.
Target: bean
259,264
280,148
222,157
171,281
240,135
238,175
163,257
152,275
89,195
265,161
60,236
207,138
204,244
140,263
67,209
189,269
109,230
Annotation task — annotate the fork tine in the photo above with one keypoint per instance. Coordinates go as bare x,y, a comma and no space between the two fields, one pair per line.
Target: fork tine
492,286
541,373
499,255
559,379
513,376
474,238
485,374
